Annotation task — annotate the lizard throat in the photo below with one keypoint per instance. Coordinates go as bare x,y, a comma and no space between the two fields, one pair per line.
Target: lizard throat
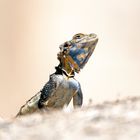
69,75
60,70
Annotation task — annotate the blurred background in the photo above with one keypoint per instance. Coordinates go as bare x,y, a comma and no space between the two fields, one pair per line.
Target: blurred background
32,30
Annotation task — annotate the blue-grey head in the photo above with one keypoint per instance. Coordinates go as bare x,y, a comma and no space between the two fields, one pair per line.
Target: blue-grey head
76,52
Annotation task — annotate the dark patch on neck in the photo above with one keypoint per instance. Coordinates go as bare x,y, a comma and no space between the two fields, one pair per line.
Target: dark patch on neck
60,71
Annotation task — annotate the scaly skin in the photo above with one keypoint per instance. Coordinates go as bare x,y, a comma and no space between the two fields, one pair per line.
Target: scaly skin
62,86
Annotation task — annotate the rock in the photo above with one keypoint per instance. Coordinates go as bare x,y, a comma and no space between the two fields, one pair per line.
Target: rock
117,120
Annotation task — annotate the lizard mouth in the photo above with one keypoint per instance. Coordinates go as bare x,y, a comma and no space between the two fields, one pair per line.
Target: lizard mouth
93,38
92,45
95,42
77,52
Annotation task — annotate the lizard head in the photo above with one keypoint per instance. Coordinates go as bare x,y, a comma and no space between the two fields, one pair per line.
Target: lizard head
75,53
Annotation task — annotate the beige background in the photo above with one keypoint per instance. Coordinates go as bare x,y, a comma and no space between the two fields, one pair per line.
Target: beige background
32,30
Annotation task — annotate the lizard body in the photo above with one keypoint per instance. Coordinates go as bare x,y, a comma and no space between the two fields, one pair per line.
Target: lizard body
62,86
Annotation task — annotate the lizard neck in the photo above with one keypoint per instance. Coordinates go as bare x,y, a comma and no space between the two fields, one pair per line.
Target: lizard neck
67,71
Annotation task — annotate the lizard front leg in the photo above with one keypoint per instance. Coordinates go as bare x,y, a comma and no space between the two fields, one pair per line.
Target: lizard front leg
78,98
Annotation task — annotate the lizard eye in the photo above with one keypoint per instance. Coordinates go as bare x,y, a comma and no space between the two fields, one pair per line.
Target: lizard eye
78,36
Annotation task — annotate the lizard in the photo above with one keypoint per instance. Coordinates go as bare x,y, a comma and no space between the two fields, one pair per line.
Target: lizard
62,85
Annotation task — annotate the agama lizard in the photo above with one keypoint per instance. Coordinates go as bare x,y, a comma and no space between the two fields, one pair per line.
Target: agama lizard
62,86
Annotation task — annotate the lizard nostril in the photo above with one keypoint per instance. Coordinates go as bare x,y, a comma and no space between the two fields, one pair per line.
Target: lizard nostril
93,35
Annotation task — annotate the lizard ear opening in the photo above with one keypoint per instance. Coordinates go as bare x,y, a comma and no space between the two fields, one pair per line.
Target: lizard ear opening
67,44
65,47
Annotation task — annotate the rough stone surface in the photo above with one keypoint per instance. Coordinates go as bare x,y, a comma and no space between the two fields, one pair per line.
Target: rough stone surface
116,120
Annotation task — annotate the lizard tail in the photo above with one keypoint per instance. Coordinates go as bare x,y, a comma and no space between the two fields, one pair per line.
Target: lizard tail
30,106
